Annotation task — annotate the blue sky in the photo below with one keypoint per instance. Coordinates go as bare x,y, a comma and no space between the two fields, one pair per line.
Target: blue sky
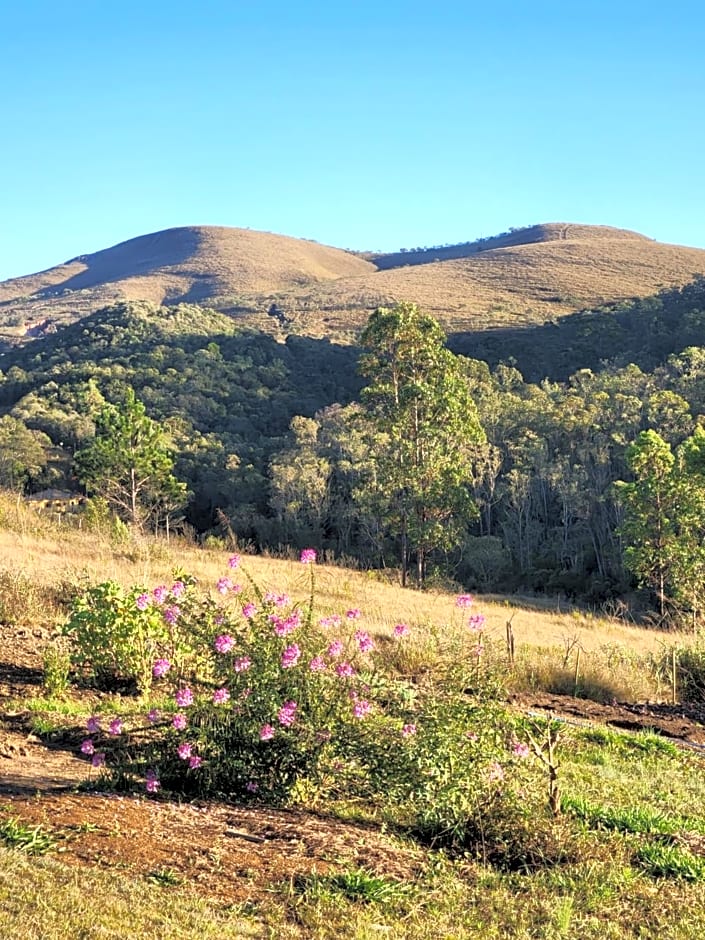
365,125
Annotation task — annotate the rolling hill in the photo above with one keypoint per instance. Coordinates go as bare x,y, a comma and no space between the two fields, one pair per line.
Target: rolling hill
525,277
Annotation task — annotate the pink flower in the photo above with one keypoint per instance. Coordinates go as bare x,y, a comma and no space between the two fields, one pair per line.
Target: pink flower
184,697
335,649
249,610
115,726
242,664
223,585
353,614
476,622
160,668
152,784
266,732
251,786
233,561
364,641
333,621
194,762
308,556
287,714
317,664
172,614
184,750
520,749
142,601
179,721
344,670
401,630
221,696
361,708
279,600
153,716
464,601
290,656
495,772
287,626
159,594
224,643
408,730
98,759
87,747
177,588
93,724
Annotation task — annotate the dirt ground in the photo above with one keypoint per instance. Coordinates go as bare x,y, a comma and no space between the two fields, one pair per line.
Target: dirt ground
226,852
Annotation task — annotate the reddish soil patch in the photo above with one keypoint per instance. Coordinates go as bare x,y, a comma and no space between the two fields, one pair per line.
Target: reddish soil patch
229,853
683,724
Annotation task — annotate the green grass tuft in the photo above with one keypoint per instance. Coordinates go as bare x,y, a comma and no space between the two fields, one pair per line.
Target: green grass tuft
669,861
34,840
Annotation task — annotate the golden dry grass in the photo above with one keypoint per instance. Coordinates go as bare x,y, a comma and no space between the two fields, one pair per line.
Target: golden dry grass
71,557
524,278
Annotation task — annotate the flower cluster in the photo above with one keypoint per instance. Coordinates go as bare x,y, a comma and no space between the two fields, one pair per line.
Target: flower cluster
270,695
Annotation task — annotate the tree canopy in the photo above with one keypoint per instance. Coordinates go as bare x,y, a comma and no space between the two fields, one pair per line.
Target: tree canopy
129,464
418,397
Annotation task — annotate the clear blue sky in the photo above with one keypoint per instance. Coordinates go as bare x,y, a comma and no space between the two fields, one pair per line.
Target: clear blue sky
367,125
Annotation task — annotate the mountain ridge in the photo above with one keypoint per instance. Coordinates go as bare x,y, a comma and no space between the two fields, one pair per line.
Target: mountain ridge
276,282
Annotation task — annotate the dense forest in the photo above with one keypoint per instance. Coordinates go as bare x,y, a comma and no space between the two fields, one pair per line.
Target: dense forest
281,442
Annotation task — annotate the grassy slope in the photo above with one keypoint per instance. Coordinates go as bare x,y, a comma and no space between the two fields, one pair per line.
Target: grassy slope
384,603
528,277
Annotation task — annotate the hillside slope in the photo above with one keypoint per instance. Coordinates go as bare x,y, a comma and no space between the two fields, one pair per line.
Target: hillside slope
521,278
193,264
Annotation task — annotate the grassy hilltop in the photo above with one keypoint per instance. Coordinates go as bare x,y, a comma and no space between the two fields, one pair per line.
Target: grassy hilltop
522,278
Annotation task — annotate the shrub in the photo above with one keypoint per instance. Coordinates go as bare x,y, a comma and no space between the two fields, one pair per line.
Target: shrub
690,671
269,702
117,634
57,667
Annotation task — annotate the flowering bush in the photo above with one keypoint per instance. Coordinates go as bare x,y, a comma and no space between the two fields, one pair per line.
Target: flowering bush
133,636
257,697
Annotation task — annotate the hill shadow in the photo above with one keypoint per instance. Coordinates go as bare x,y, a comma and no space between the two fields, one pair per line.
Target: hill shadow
642,331
133,258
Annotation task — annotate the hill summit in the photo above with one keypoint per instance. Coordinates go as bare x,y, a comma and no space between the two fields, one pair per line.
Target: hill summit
274,282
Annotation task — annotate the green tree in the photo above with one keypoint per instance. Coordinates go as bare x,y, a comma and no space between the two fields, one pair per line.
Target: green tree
129,463
688,557
299,485
23,453
418,396
651,505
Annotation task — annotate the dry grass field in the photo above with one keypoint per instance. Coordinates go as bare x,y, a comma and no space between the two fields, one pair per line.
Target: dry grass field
73,557
526,277
558,647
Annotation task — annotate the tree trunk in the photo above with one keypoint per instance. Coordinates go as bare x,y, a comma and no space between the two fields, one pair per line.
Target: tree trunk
404,552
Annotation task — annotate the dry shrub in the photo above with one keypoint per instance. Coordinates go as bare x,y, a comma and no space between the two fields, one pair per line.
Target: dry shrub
22,602
607,674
